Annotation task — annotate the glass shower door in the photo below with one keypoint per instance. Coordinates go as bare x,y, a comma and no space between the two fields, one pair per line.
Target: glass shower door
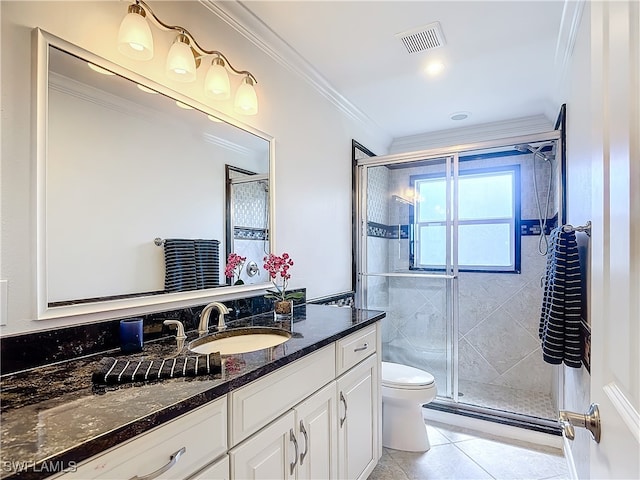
407,262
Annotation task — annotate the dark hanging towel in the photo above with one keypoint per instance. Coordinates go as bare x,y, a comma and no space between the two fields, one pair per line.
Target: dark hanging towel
180,265
191,264
561,304
207,263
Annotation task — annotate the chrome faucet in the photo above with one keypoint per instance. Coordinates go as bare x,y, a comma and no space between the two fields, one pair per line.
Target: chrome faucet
203,326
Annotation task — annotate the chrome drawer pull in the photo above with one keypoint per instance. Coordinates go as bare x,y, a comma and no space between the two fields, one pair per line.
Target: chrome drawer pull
360,349
293,464
172,461
306,442
343,400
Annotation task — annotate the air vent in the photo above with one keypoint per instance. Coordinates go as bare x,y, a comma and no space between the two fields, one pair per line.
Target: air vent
423,38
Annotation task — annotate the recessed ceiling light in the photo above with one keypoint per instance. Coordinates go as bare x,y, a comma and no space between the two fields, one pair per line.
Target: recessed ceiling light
214,119
460,115
434,68
98,69
184,105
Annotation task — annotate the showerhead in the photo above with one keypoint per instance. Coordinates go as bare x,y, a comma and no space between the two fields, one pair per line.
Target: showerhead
537,150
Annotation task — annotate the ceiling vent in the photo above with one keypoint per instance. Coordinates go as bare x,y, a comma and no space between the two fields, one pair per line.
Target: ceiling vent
423,38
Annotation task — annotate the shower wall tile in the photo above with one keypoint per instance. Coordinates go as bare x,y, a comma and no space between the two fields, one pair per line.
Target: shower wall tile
254,251
473,366
250,204
529,374
524,307
501,340
378,195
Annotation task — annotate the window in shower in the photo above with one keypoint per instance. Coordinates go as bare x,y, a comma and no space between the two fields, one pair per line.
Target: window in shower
488,221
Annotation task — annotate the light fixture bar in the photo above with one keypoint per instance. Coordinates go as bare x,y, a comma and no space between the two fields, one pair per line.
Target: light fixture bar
195,46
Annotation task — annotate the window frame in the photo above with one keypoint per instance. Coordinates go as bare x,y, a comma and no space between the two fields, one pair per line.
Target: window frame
513,169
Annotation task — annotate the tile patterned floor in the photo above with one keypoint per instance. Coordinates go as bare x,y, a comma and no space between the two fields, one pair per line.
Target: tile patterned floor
465,455
535,404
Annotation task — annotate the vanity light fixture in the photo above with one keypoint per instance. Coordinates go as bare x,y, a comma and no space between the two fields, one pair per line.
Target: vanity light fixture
185,56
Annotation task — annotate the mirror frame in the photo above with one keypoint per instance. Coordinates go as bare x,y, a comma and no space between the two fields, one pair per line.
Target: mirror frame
104,309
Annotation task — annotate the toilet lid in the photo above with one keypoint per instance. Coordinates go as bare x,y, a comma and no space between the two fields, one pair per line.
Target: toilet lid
404,376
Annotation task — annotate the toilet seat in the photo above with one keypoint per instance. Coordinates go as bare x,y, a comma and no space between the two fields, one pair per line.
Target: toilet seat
395,375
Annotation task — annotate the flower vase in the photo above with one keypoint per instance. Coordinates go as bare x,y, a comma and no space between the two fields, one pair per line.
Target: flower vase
283,310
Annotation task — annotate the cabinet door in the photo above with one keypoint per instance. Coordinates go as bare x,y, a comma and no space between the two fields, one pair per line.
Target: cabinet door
317,425
217,471
358,420
269,454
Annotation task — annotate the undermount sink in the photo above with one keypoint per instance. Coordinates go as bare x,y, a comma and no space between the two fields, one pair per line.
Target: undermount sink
240,340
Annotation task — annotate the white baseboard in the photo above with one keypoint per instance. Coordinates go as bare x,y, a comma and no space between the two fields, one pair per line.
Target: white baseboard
493,428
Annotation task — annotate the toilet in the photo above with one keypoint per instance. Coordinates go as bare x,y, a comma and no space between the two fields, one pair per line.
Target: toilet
404,390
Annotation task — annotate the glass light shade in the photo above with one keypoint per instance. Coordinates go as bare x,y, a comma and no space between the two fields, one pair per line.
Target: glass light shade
181,64
134,38
246,101
216,83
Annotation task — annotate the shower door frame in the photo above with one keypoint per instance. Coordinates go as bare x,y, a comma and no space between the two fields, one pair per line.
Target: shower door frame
451,155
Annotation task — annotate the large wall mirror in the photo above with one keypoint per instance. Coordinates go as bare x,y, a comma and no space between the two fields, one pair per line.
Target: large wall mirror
130,174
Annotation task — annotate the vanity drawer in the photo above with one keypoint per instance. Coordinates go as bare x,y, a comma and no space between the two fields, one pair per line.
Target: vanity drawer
202,433
263,400
354,348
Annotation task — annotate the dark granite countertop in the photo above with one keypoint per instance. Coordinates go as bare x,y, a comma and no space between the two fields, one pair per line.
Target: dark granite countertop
54,416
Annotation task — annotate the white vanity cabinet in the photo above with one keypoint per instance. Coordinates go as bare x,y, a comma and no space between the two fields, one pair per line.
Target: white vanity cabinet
315,418
333,433
358,438
301,444
174,450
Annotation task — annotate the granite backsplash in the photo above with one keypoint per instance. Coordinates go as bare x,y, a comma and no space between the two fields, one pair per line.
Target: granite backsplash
21,352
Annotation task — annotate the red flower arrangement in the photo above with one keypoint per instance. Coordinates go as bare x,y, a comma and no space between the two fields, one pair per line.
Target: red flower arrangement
278,269
234,262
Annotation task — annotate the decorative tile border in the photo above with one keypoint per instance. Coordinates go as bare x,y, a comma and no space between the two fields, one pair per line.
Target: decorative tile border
387,231
346,299
249,233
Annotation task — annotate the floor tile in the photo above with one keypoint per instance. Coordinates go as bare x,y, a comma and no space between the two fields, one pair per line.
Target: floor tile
453,433
508,462
435,437
440,462
387,469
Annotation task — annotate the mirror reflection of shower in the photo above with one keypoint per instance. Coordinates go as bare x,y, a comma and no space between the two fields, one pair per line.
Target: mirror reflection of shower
545,152
249,231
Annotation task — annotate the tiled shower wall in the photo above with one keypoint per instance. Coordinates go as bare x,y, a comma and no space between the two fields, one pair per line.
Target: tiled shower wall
498,312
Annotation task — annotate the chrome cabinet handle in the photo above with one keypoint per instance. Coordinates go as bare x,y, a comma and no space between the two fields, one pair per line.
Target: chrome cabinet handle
172,461
344,401
360,349
293,464
306,442
590,421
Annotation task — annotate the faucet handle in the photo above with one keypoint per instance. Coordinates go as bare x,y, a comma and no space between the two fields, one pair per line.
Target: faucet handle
180,333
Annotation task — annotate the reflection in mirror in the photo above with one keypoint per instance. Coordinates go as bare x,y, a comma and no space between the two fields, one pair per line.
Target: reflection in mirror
125,165
248,221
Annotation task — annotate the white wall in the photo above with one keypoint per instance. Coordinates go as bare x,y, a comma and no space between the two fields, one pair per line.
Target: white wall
313,140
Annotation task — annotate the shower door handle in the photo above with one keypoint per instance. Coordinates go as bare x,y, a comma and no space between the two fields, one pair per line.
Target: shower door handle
590,421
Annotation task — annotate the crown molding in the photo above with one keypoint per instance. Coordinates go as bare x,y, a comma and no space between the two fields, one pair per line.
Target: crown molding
567,35
473,133
240,18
